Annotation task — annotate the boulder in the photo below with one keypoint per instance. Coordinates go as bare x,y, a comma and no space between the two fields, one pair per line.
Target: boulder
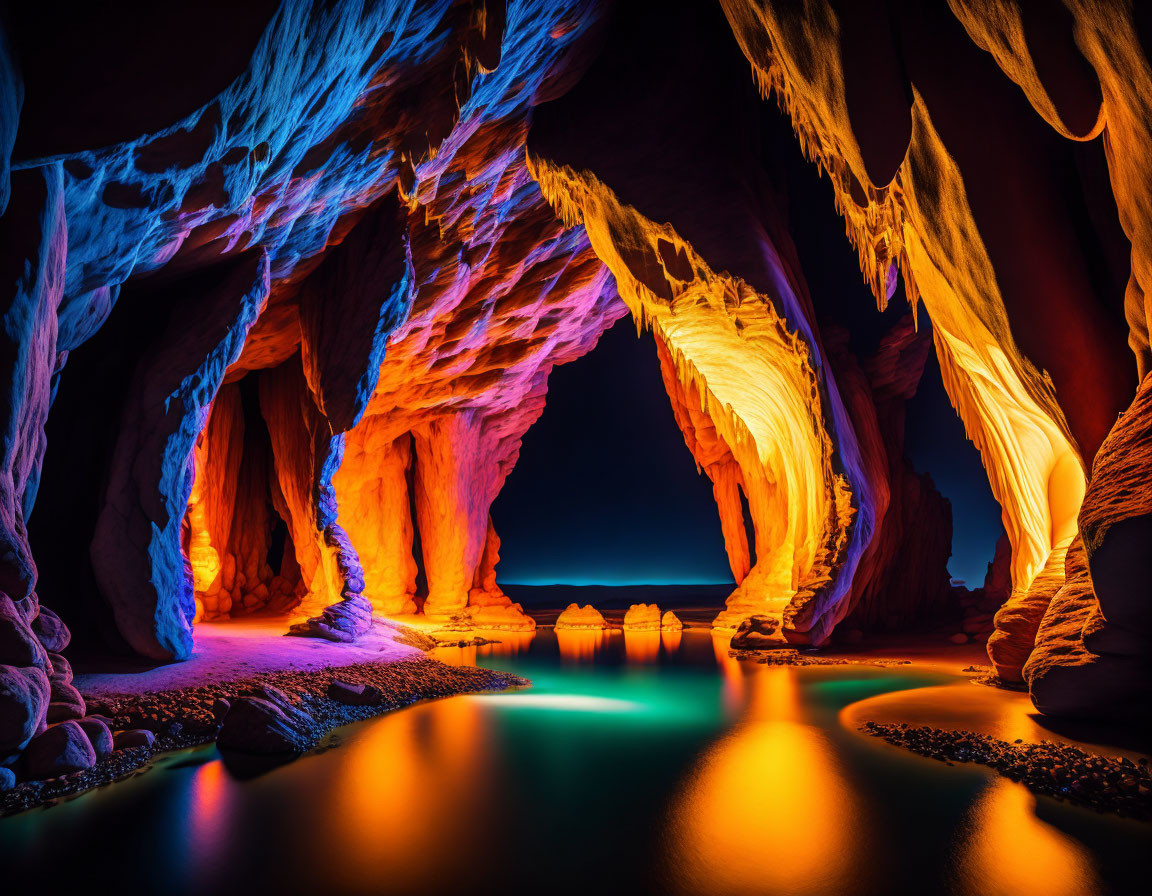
61,668
670,622
60,750
509,618
7,779
53,633
255,725
133,737
66,702
758,633
18,643
220,709
98,735
345,621
354,694
24,695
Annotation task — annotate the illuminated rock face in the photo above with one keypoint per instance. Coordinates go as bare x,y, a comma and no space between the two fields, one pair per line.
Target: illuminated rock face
576,617
296,309
922,173
755,378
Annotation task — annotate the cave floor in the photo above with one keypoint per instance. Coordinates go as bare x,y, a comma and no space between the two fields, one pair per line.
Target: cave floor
239,648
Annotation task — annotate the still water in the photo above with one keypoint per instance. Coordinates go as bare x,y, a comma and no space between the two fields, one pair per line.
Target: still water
639,763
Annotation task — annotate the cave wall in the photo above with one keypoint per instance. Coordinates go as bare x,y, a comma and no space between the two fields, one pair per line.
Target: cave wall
974,186
339,259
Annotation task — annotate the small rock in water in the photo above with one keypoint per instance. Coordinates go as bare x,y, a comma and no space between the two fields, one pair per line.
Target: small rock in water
757,633
256,725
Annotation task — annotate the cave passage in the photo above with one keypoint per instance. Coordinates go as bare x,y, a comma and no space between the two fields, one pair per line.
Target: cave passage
281,328
605,492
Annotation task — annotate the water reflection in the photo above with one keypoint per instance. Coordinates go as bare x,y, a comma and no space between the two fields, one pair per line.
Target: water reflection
1008,851
696,773
402,797
210,816
641,647
580,645
671,638
500,645
768,809
506,644
731,669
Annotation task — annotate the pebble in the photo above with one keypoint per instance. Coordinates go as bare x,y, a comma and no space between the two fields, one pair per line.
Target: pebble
1119,786
399,684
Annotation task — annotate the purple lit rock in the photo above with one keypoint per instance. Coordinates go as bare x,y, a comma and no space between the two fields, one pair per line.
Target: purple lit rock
61,750
98,735
24,695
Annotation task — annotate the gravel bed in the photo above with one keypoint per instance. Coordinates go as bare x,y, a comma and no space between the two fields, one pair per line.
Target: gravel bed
184,717
1117,786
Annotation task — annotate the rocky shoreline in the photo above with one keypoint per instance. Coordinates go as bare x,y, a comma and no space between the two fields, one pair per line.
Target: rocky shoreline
1064,772
271,714
791,656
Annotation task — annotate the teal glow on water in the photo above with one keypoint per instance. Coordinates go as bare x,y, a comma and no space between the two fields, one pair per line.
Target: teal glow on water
639,766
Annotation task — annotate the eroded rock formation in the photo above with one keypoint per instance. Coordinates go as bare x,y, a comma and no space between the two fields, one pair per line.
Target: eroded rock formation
1023,296
295,310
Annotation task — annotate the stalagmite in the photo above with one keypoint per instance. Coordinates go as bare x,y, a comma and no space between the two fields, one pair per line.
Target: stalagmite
373,483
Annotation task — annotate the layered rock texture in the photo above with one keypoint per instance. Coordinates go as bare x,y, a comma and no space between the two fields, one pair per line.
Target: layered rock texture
276,326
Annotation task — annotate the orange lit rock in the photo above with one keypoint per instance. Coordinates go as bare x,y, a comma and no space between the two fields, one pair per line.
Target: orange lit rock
642,617
373,487
741,363
1093,649
499,301
501,617
577,617
670,622
923,222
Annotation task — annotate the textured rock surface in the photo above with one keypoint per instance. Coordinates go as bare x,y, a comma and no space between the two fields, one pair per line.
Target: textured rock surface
1093,648
757,633
136,549
256,725
296,306
61,750
642,617
577,617
24,696
926,190
98,736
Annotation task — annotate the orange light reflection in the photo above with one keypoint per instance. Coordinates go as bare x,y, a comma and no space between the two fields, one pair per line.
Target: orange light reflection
1010,852
641,647
405,789
767,809
579,645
